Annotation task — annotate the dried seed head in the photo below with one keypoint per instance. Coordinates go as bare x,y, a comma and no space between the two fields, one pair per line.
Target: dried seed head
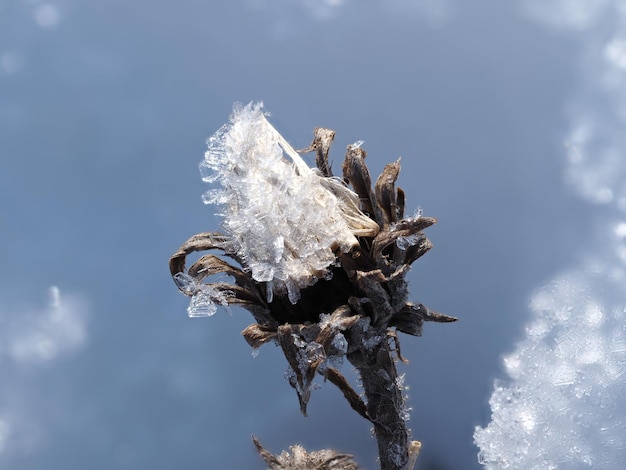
286,221
300,459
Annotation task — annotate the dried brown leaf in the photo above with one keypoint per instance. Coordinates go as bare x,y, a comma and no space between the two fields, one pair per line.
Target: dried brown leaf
410,318
257,335
416,251
403,228
386,193
322,139
355,401
356,173
210,265
341,319
370,284
199,242
304,372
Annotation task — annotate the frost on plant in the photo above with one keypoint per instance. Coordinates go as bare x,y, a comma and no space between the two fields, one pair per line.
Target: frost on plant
319,261
563,407
283,219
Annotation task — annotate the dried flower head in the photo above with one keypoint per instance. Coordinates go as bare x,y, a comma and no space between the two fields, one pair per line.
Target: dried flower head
284,220
300,459
322,266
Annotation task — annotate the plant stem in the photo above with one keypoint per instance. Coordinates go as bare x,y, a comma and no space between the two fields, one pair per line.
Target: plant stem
385,404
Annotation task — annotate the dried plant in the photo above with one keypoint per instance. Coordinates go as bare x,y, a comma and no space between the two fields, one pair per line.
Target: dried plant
321,266
300,459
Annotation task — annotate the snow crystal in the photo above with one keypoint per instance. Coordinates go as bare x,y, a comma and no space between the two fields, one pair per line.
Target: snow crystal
201,305
405,242
285,220
325,320
340,343
564,406
314,352
566,378
187,284
204,297
298,341
334,356
291,377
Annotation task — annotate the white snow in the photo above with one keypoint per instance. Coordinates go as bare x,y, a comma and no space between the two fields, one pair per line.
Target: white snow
563,405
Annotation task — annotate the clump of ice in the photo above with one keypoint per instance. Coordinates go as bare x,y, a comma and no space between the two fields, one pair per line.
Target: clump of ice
310,353
410,240
314,353
340,344
336,352
564,405
368,340
204,297
285,219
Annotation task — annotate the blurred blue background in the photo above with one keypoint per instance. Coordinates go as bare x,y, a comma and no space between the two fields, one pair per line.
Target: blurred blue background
104,112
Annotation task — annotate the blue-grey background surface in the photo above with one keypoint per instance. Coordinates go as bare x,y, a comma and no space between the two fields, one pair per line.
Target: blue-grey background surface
105,107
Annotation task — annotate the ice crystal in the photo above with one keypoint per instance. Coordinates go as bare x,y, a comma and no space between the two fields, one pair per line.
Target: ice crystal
367,339
405,409
298,341
340,343
309,354
290,375
204,297
314,353
335,353
187,284
325,320
372,341
286,220
411,240
562,406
